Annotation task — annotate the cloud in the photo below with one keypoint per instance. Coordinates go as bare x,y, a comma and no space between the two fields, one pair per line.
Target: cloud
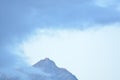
68,13
107,3
18,19
13,29
74,13
91,54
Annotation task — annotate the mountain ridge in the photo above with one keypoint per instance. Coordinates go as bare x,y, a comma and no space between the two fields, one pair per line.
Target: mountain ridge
44,69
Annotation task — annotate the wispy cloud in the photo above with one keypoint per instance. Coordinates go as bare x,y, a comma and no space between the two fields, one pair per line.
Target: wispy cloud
107,3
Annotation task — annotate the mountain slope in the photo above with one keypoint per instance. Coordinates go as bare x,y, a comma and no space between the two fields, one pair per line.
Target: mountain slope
45,69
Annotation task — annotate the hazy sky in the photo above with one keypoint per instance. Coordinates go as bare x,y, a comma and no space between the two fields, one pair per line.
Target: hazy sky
80,35
92,54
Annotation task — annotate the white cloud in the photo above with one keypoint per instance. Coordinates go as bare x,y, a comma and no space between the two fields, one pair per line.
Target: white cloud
105,3
91,54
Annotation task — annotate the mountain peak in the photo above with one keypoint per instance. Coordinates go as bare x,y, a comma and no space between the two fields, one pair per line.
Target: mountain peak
45,69
47,60
45,64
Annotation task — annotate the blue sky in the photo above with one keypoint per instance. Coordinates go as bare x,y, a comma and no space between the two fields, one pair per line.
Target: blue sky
81,21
